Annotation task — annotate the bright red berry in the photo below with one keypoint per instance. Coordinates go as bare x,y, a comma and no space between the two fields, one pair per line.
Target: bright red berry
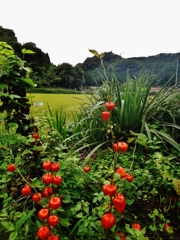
46,165
11,167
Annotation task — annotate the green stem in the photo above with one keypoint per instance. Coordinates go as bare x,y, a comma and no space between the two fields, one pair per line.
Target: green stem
115,161
107,80
132,163
25,180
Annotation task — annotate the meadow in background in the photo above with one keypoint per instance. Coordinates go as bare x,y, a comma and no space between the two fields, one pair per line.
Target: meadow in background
69,102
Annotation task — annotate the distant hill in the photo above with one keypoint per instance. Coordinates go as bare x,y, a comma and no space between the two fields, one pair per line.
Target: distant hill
159,68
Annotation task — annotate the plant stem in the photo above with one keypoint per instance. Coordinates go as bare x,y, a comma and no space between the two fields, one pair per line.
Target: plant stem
25,180
132,163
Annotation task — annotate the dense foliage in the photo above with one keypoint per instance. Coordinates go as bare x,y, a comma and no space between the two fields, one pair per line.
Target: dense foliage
112,173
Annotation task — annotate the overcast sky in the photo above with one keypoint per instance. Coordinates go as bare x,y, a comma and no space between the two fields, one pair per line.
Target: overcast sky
66,29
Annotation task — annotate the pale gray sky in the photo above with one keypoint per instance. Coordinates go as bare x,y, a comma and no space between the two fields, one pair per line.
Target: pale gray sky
66,29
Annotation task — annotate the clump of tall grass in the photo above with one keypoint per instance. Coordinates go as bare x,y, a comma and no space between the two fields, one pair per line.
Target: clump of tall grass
136,112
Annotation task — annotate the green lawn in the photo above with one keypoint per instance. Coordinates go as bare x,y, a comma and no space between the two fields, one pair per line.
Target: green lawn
70,102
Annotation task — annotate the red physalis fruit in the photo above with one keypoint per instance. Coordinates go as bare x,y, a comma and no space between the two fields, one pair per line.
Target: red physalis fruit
121,147
129,177
43,232
36,197
109,189
48,178
26,191
43,214
54,203
166,225
122,236
105,116
46,165
48,191
86,169
11,167
35,135
109,106
55,167
136,226
108,220
57,180
53,237
119,203
53,220
122,172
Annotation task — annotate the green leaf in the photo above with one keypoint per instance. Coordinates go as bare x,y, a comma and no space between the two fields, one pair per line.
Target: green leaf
76,225
8,225
101,55
167,175
27,51
36,183
23,219
28,81
66,199
176,183
38,223
130,201
3,195
65,222
13,235
26,228
142,139
12,96
156,212
94,52
153,228
79,215
86,209
130,140
75,195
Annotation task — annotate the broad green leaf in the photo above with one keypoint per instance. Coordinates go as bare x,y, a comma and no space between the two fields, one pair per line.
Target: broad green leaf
13,235
5,45
28,81
129,201
36,182
8,225
27,51
3,195
79,215
14,96
86,209
142,139
156,212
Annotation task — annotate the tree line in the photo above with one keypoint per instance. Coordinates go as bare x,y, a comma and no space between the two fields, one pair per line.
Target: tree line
159,68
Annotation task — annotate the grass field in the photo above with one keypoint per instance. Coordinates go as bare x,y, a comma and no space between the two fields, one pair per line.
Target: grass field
69,102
